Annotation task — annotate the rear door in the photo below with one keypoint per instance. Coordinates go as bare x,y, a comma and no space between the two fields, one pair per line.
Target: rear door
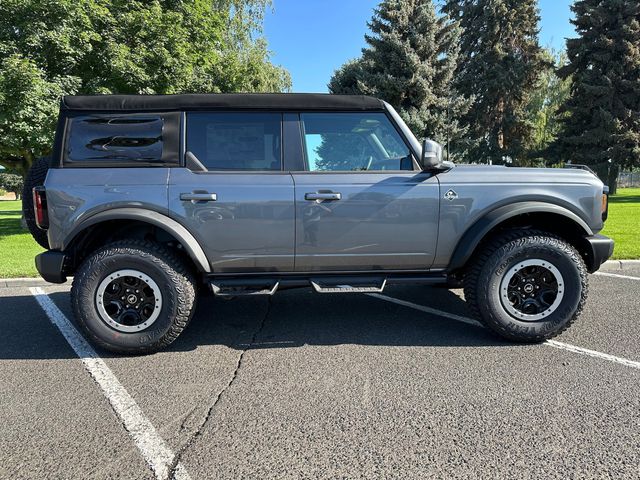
241,209
361,202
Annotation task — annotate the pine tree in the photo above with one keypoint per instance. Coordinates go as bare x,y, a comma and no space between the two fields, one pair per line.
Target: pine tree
409,61
501,62
604,107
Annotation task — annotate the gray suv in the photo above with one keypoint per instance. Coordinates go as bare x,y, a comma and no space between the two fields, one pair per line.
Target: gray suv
147,198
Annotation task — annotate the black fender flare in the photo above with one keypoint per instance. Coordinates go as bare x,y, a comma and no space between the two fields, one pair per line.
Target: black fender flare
474,235
151,217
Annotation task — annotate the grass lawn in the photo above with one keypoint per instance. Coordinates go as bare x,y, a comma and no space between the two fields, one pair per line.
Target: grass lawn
17,248
623,224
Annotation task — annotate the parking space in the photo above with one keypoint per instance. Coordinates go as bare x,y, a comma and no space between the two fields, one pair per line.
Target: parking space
304,385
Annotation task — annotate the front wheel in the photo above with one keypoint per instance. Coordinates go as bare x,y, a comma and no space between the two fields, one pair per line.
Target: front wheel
133,296
527,286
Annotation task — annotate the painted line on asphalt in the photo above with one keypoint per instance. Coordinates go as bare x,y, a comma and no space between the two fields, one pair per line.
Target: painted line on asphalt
154,450
552,343
616,275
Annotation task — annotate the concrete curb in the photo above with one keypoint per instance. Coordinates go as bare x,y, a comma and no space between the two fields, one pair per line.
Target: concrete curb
621,264
23,282
40,282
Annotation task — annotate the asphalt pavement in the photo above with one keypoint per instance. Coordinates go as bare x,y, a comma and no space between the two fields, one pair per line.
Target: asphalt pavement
306,385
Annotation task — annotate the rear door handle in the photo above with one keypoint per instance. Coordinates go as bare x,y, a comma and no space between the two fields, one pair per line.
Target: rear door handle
323,196
199,197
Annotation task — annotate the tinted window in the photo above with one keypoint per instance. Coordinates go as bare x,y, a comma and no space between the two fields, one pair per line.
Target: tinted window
115,139
353,142
235,141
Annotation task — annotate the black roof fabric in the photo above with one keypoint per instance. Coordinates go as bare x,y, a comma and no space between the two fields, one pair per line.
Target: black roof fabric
221,101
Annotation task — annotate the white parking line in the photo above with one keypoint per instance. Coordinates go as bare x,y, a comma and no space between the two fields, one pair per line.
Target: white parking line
616,275
153,449
551,343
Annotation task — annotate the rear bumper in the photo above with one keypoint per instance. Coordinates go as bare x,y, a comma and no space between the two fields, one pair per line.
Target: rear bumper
50,265
601,248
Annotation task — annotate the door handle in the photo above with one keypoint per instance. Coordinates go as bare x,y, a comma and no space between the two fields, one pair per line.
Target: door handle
323,196
199,197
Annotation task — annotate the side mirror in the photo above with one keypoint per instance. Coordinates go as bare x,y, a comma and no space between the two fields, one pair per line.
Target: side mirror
431,154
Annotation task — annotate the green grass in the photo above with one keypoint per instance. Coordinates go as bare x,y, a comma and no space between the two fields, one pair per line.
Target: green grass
17,248
623,224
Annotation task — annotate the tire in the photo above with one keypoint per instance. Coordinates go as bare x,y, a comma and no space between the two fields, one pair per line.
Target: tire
35,178
110,322
510,286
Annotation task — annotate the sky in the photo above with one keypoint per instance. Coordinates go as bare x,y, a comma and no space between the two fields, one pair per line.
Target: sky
312,38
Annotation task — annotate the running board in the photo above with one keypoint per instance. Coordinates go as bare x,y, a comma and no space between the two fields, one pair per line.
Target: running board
232,288
323,286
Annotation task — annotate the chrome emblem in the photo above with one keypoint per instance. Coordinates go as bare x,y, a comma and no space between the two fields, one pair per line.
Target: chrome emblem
451,195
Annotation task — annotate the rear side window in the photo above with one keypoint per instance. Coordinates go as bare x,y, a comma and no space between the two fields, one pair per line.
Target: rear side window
235,141
121,140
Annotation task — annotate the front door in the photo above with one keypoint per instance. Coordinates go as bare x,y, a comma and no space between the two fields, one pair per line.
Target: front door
361,204
241,209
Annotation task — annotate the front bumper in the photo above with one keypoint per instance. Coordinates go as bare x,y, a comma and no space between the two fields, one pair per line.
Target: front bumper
600,249
50,265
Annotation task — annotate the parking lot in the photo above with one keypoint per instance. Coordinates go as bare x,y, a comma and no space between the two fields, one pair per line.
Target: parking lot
304,385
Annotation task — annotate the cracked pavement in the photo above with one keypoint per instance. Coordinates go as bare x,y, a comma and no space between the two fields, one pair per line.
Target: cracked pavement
304,385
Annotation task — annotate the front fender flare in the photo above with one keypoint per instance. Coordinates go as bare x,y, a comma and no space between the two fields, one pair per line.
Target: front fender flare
474,235
156,219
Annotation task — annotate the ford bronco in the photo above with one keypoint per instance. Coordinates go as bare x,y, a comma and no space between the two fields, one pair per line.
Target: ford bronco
147,198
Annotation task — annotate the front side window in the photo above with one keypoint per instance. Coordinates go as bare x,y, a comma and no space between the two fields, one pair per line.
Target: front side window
354,142
115,139
235,141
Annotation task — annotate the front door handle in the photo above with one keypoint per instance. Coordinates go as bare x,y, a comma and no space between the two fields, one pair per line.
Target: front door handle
323,196
199,197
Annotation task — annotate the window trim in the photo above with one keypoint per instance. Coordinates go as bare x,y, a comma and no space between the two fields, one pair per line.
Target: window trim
305,161
170,141
184,149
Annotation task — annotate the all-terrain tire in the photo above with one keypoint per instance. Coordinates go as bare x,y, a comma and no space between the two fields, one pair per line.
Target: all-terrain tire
172,275
35,178
483,282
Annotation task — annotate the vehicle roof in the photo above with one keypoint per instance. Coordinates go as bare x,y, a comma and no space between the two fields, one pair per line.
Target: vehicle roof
222,101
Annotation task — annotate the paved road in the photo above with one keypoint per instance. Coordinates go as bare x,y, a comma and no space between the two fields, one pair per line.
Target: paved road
332,386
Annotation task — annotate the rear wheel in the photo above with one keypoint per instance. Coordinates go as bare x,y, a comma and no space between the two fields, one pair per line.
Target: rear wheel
133,296
527,285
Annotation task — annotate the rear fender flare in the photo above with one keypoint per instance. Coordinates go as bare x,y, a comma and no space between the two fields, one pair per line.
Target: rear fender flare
151,217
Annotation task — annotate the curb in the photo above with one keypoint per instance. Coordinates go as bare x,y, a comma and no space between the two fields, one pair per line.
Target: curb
40,282
621,264
23,282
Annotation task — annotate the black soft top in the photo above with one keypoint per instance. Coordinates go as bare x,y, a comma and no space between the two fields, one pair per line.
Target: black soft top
221,101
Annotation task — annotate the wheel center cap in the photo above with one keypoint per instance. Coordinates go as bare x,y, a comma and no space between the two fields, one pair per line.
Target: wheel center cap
528,288
131,299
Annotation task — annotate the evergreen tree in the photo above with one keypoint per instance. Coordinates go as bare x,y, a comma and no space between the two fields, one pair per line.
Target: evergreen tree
410,61
604,107
501,63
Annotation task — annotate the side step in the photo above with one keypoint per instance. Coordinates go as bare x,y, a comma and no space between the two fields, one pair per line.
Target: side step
231,288
344,285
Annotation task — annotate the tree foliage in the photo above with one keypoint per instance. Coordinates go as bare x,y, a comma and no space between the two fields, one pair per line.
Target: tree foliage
12,183
543,111
501,63
409,61
53,47
603,111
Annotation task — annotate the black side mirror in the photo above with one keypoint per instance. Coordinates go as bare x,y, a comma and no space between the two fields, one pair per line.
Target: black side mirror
431,155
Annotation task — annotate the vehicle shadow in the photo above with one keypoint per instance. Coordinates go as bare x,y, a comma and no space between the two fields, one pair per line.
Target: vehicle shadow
289,319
